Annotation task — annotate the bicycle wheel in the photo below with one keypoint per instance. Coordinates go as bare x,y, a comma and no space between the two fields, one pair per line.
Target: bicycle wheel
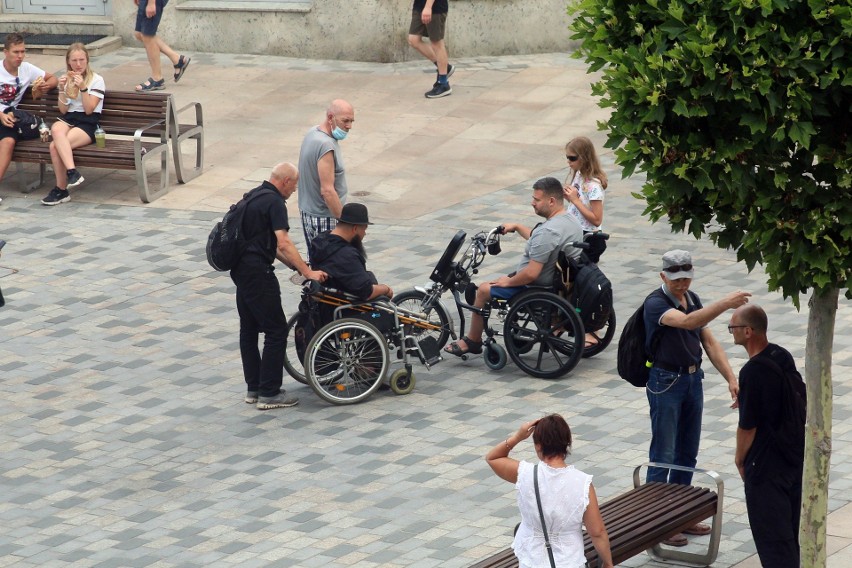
603,336
294,366
550,332
346,361
436,313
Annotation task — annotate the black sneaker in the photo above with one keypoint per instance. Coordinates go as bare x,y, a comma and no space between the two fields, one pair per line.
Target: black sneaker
56,196
439,90
74,179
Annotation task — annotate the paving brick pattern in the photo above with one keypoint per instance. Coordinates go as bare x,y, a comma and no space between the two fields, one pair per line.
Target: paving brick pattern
125,440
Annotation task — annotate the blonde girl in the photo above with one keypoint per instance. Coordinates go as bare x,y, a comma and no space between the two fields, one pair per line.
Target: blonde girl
81,99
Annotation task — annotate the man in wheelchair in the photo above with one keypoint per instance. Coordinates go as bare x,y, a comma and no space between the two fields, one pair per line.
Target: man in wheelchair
537,266
340,254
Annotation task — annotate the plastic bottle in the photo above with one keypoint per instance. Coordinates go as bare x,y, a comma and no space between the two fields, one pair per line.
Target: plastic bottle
100,137
43,131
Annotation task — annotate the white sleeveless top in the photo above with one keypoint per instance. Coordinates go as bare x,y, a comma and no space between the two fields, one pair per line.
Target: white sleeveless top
564,498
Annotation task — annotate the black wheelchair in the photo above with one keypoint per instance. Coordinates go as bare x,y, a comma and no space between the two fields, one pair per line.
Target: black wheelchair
341,346
542,331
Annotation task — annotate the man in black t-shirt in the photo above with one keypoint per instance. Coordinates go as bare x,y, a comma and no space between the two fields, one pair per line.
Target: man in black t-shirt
265,228
772,479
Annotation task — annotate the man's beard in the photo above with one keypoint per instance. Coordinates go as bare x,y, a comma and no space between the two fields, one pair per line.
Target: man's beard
358,243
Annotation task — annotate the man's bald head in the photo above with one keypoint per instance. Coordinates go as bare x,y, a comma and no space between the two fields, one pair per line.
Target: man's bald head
284,177
339,106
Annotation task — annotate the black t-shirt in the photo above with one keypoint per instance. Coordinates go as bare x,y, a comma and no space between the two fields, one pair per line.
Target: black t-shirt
761,395
439,7
265,214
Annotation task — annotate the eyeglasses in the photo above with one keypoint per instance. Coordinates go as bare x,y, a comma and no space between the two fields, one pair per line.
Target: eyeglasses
677,268
572,158
731,328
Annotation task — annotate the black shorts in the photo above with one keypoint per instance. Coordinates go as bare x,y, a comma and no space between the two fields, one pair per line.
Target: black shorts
88,123
6,132
434,31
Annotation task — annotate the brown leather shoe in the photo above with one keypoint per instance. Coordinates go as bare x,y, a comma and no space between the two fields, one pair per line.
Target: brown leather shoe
676,540
698,529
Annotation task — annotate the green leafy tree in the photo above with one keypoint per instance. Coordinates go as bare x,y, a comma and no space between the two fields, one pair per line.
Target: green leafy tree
738,113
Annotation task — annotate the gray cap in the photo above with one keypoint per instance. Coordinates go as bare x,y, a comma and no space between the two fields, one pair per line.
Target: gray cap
677,260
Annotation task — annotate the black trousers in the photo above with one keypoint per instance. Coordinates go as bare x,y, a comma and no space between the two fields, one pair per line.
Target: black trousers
259,307
774,505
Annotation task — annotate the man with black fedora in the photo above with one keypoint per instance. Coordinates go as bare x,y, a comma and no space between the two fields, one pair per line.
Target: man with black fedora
340,254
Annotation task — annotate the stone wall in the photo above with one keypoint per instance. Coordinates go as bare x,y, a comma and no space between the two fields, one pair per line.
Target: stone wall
355,30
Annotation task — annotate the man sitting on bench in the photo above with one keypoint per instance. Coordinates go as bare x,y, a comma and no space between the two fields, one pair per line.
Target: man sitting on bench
340,254
544,241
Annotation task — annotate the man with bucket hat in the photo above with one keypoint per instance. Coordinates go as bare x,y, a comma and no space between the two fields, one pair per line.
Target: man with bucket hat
340,254
675,392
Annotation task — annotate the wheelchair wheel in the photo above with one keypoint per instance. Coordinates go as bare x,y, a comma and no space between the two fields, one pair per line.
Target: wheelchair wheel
292,364
413,300
494,357
544,335
603,336
346,361
401,382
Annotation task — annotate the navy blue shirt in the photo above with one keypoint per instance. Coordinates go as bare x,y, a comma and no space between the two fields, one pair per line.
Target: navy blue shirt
676,347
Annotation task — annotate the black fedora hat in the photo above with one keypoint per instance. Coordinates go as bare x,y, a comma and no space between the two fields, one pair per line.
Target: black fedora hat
354,214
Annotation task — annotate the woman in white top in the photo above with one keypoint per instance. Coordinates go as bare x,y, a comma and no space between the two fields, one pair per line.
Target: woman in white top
81,99
584,189
568,498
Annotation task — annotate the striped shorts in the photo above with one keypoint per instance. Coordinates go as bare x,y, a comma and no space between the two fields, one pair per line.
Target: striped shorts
312,226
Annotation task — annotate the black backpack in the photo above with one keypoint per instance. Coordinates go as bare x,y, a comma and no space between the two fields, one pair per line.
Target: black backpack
592,295
789,437
227,242
634,363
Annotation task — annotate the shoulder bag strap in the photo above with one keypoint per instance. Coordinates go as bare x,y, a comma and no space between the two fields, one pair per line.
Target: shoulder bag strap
541,516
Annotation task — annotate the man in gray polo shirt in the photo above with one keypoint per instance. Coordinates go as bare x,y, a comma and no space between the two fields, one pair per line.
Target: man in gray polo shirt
537,266
322,180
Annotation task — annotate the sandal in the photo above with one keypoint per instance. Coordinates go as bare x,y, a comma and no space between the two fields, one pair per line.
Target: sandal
180,68
151,85
473,347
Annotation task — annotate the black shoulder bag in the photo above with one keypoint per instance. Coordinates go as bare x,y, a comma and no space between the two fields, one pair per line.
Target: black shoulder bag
541,516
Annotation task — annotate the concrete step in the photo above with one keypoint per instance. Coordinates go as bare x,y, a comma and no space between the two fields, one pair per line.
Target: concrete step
99,47
83,25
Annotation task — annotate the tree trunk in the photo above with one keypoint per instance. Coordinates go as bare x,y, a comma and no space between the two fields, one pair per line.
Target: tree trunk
812,528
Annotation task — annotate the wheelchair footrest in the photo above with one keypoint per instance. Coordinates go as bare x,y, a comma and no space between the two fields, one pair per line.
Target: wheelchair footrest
431,351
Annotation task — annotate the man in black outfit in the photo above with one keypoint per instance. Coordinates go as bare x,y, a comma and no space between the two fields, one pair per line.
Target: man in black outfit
340,253
266,227
769,456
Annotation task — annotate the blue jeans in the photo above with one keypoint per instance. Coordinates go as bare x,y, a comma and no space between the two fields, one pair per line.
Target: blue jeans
677,404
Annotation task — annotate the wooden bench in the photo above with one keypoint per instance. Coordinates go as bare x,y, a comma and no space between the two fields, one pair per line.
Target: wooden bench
642,518
138,126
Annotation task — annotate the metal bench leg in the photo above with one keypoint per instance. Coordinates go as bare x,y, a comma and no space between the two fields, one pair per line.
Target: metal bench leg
29,188
145,193
184,175
680,557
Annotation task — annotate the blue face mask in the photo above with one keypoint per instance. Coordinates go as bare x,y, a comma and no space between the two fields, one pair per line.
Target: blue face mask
338,133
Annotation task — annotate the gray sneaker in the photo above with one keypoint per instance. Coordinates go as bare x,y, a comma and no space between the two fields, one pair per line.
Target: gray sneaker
251,397
280,400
